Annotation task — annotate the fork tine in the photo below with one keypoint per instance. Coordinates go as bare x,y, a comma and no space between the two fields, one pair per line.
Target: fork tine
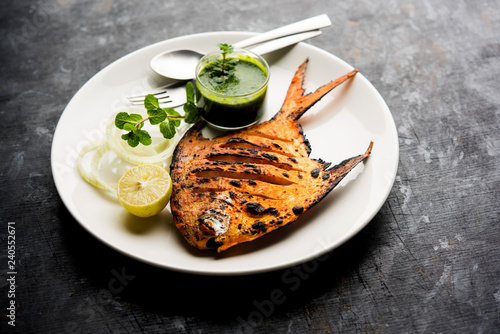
154,91
158,90
161,100
170,95
140,98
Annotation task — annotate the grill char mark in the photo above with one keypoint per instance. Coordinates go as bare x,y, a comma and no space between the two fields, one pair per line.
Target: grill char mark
255,159
262,144
248,174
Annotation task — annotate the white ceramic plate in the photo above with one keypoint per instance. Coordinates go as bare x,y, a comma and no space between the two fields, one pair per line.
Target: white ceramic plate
340,126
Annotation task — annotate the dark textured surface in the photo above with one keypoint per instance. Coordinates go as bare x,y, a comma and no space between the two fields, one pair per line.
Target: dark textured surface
429,262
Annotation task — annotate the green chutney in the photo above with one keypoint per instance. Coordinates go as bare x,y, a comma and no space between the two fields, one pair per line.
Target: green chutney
233,101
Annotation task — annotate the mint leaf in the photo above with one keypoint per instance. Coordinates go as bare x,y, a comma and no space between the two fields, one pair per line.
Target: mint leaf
129,127
189,108
156,116
225,48
192,114
190,92
172,112
133,142
131,138
121,119
134,124
127,122
135,118
144,137
151,102
126,136
167,129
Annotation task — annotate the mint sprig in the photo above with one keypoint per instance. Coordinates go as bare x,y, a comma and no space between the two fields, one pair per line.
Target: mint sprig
167,118
224,68
225,49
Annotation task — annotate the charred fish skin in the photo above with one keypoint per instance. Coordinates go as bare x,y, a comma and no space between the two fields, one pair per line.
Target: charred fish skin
244,184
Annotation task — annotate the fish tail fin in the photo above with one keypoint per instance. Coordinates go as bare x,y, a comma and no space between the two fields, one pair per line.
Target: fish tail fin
339,171
296,103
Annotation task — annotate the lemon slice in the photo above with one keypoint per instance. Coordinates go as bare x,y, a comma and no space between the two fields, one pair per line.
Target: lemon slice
144,190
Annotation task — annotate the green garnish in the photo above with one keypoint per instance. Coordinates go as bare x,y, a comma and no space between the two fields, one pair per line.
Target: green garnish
225,49
224,68
167,118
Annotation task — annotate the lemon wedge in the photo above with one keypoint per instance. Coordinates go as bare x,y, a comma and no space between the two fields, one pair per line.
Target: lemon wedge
144,190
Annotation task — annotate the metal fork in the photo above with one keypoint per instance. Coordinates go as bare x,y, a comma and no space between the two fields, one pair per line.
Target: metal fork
169,95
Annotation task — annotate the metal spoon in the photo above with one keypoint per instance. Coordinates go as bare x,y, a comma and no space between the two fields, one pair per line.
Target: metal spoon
180,64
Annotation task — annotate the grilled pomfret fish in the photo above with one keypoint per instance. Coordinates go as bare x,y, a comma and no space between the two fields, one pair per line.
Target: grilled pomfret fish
244,184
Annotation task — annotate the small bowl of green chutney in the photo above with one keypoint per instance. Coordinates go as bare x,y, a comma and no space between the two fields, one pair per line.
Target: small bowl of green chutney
232,87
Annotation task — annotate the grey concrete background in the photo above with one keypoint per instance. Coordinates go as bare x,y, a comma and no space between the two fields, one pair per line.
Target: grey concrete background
427,263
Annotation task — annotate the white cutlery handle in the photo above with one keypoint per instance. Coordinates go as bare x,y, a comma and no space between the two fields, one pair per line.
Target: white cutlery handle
284,42
312,23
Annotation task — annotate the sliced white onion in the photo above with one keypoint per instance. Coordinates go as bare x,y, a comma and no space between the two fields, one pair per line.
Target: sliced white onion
90,177
157,153
94,166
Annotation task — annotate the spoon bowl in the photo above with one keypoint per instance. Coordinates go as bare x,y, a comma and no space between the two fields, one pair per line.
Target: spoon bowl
178,64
